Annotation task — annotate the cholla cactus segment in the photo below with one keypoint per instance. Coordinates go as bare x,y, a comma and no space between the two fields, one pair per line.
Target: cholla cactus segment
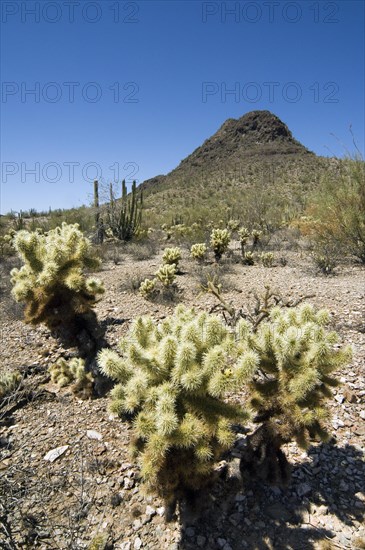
147,287
297,359
171,256
248,258
243,234
173,377
166,274
72,372
198,251
52,282
267,259
9,381
219,241
233,225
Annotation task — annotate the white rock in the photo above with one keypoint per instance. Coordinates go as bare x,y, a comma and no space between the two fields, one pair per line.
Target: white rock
137,543
150,511
362,415
92,434
161,511
52,455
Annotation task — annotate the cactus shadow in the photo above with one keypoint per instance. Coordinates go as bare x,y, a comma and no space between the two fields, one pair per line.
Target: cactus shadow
321,502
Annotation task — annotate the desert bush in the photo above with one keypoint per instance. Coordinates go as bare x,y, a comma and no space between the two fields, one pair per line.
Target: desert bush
198,251
72,373
336,211
325,258
143,249
171,256
172,378
267,259
219,241
52,283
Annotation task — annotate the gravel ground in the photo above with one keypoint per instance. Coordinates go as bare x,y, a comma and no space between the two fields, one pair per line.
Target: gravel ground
93,488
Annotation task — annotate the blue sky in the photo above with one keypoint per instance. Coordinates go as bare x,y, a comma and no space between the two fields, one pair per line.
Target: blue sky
128,89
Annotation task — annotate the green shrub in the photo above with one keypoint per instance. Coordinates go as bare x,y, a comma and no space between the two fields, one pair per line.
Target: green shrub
336,211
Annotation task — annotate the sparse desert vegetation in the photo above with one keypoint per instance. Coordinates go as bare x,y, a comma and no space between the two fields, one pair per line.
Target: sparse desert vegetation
206,388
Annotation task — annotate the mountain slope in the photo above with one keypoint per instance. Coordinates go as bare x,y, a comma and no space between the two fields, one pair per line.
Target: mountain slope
244,157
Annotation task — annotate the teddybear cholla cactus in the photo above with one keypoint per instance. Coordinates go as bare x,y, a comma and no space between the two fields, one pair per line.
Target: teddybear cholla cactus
198,251
147,287
166,274
171,256
51,282
172,378
219,241
72,372
267,259
291,384
9,381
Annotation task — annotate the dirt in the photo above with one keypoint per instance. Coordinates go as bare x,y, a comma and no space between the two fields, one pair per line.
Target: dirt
93,488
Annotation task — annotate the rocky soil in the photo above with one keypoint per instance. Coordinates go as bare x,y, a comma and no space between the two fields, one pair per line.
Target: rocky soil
92,489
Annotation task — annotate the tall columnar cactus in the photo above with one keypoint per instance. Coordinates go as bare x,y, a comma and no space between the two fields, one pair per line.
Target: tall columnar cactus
51,282
172,378
125,216
171,256
219,241
290,384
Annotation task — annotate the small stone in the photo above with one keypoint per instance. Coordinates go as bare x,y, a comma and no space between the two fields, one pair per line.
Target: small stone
93,434
137,543
278,511
362,415
339,398
190,531
221,542
150,511
125,545
160,511
52,455
304,489
200,540
128,483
